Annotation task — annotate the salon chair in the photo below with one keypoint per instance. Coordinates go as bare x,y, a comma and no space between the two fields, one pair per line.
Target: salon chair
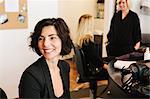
82,71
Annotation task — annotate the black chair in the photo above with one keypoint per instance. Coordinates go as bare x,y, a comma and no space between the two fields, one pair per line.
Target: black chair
80,63
98,40
82,71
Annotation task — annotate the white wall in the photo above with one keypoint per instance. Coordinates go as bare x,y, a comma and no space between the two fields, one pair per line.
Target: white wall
108,13
71,10
144,19
15,54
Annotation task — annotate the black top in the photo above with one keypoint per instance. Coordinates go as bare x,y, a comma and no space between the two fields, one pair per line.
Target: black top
123,33
36,80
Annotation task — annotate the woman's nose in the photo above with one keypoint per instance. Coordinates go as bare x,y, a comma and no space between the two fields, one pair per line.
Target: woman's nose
121,4
46,42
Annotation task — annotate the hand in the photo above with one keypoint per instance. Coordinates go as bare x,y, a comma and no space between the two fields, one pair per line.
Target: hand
137,45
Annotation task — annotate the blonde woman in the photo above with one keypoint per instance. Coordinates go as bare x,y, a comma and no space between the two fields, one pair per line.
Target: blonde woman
124,35
86,42
85,25
94,64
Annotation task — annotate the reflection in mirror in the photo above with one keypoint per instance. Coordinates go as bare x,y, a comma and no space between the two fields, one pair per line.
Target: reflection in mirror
100,9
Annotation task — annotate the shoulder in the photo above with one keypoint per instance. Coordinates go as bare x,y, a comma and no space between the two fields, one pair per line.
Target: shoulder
34,70
133,14
36,66
116,15
2,94
134,17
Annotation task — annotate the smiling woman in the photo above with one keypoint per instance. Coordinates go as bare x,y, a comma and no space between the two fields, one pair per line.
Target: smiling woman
48,77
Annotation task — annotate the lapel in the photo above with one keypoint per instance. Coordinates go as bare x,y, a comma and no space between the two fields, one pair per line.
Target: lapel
47,77
63,74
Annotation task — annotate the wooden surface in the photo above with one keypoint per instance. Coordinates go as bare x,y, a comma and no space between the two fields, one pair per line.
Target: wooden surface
74,86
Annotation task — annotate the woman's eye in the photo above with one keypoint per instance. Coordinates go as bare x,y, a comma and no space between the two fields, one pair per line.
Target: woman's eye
52,38
40,39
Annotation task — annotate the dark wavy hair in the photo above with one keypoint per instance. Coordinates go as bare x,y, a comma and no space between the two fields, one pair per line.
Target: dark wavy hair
63,33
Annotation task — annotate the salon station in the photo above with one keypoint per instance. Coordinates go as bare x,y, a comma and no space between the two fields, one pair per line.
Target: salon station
125,72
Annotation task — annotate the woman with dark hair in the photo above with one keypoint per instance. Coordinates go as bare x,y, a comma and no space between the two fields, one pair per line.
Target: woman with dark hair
48,77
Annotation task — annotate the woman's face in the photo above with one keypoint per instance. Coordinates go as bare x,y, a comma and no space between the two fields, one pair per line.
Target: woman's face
49,43
123,5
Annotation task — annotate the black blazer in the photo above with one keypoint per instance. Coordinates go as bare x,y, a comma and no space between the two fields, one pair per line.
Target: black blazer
36,80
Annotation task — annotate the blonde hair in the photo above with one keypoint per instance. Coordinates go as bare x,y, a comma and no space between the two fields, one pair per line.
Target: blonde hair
85,25
128,3
86,38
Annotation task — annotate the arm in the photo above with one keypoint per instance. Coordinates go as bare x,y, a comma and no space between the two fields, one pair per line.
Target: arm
110,32
111,29
29,86
137,33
